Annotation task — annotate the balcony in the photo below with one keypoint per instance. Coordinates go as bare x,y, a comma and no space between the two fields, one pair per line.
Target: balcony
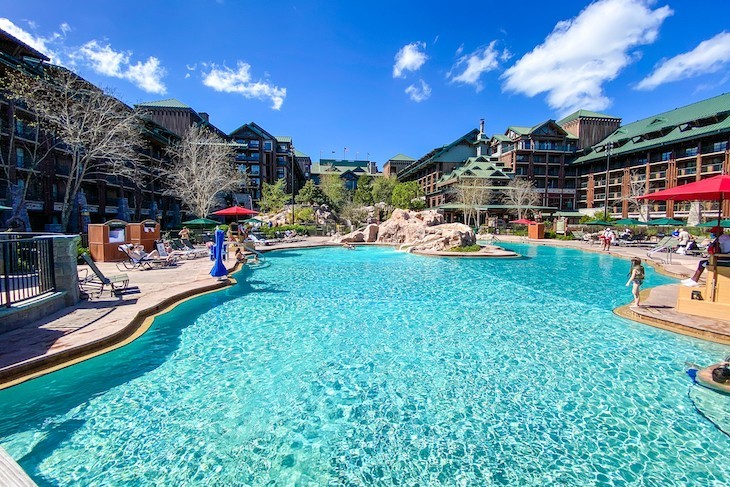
687,171
657,175
712,168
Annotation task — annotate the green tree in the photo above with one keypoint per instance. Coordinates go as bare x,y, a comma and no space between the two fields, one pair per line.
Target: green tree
311,194
382,190
333,188
408,196
273,197
364,192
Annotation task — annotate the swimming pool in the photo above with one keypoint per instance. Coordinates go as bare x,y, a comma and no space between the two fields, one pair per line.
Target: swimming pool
329,366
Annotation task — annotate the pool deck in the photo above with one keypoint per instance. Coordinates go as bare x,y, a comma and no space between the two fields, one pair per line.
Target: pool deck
107,322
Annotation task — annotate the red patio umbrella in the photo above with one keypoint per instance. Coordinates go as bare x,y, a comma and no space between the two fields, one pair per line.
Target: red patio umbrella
523,221
716,188
235,211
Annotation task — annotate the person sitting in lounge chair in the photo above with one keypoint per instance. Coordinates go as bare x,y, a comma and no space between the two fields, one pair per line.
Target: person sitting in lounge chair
720,245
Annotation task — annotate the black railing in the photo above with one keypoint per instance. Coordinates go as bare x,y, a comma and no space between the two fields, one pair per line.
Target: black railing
27,268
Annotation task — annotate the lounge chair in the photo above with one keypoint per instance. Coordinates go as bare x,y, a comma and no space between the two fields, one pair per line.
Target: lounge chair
666,245
259,239
138,261
171,257
187,245
116,283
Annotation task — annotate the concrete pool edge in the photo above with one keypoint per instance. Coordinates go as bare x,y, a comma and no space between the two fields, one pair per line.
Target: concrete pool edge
142,321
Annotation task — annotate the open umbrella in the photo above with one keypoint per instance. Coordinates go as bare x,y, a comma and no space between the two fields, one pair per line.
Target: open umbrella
201,222
629,222
665,222
713,223
252,220
523,221
235,211
716,188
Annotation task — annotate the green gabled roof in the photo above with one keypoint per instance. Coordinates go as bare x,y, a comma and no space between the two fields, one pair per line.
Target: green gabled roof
402,157
479,167
168,103
519,129
255,128
584,114
688,122
501,138
284,139
469,137
299,153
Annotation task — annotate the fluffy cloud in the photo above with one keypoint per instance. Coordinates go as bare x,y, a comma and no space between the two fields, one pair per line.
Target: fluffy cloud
409,58
39,43
581,54
108,62
708,57
226,80
471,66
419,93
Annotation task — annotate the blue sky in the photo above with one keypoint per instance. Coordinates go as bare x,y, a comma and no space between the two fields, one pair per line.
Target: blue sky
382,78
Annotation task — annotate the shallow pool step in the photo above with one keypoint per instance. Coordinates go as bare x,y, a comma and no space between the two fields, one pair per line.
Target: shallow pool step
11,475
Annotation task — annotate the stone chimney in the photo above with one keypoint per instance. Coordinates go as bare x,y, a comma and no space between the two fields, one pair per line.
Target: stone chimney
481,143
204,116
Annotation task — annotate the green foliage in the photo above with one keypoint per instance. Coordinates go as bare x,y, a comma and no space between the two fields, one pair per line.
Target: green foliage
311,194
408,196
355,213
598,216
223,227
364,192
300,229
273,197
382,190
81,250
333,187
468,248
304,214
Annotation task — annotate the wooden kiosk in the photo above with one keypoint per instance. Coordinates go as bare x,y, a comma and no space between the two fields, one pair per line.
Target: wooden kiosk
536,230
712,300
105,238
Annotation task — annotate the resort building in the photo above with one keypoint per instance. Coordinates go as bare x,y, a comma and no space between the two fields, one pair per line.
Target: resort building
474,189
176,116
662,151
36,167
542,153
267,158
430,168
349,171
395,164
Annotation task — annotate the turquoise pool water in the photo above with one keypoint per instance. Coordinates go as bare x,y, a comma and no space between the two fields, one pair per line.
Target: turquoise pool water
337,367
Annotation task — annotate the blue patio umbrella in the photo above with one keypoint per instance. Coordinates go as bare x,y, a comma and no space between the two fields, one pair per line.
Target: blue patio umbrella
218,270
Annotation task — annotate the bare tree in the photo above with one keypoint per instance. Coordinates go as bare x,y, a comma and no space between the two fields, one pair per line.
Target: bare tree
521,193
473,193
97,133
202,169
28,135
637,187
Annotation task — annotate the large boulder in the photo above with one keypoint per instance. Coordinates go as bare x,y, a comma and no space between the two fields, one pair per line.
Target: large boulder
371,232
424,229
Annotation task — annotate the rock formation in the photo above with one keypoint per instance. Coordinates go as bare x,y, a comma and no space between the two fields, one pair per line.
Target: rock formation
416,231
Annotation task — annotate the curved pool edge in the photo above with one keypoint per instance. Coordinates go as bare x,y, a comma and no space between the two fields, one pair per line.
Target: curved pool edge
142,321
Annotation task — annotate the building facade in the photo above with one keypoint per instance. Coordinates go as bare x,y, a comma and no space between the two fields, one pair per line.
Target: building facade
348,171
659,152
396,164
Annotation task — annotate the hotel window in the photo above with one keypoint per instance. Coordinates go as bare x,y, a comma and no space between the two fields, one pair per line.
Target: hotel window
719,146
666,155
267,145
254,144
254,156
280,173
19,157
255,169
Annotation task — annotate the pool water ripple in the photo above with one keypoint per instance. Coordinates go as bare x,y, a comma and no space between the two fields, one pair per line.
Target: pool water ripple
336,367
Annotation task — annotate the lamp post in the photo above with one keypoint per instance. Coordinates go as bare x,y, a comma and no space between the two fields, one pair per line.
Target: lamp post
609,147
293,161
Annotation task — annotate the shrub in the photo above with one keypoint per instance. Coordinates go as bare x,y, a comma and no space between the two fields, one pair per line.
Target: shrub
468,248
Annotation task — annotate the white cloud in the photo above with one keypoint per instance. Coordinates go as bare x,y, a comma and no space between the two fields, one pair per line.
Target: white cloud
409,58
708,57
581,54
108,62
473,65
39,43
419,93
229,81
